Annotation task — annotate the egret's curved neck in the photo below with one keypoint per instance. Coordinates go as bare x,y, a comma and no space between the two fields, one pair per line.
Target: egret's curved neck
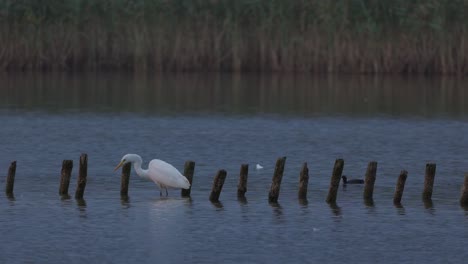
140,171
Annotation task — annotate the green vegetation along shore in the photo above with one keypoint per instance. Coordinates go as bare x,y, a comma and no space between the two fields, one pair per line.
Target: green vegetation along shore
347,36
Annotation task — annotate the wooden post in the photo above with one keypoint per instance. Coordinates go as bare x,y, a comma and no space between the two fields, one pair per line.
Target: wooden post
10,181
189,169
217,185
370,180
276,181
67,166
335,181
464,196
303,182
83,173
242,186
125,179
429,181
400,187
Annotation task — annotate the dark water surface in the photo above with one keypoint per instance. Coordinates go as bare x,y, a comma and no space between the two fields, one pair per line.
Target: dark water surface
223,121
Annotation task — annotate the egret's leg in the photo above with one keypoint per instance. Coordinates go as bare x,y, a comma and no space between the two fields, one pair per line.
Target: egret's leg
166,191
160,189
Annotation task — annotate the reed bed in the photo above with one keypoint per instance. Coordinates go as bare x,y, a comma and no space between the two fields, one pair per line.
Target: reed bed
320,36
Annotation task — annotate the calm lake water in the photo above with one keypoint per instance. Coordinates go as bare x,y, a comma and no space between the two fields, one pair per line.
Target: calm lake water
220,122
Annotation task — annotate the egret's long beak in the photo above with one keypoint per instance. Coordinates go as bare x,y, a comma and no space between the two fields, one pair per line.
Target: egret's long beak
120,165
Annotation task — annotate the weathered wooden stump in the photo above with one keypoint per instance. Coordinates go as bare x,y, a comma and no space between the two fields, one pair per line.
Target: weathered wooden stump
276,181
335,181
67,166
400,187
189,169
82,175
303,182
429,181
242,185
125,178
464,195
370,180
217,186
10,181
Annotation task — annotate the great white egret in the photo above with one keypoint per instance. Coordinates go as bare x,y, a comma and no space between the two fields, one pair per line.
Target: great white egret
259,167
160,172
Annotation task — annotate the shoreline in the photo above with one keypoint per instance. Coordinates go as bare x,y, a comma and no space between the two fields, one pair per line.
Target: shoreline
236,36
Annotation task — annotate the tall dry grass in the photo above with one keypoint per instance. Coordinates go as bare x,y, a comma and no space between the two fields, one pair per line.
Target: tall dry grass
355,36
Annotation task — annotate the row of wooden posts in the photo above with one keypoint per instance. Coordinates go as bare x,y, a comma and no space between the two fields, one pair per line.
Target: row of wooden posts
67,166
273,195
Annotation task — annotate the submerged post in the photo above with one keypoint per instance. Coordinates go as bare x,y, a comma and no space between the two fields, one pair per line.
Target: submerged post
67,166
370,180
464,196
276,181
429,181
303,182
189,169
400,187
335,181
83,173
217,185
125,178
242,185
10,181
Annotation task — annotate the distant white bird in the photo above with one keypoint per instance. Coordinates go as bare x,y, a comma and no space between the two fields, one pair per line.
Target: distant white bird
259,167
160,172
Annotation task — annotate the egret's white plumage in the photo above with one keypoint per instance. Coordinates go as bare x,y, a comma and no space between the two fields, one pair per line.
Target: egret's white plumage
259,167
160,172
